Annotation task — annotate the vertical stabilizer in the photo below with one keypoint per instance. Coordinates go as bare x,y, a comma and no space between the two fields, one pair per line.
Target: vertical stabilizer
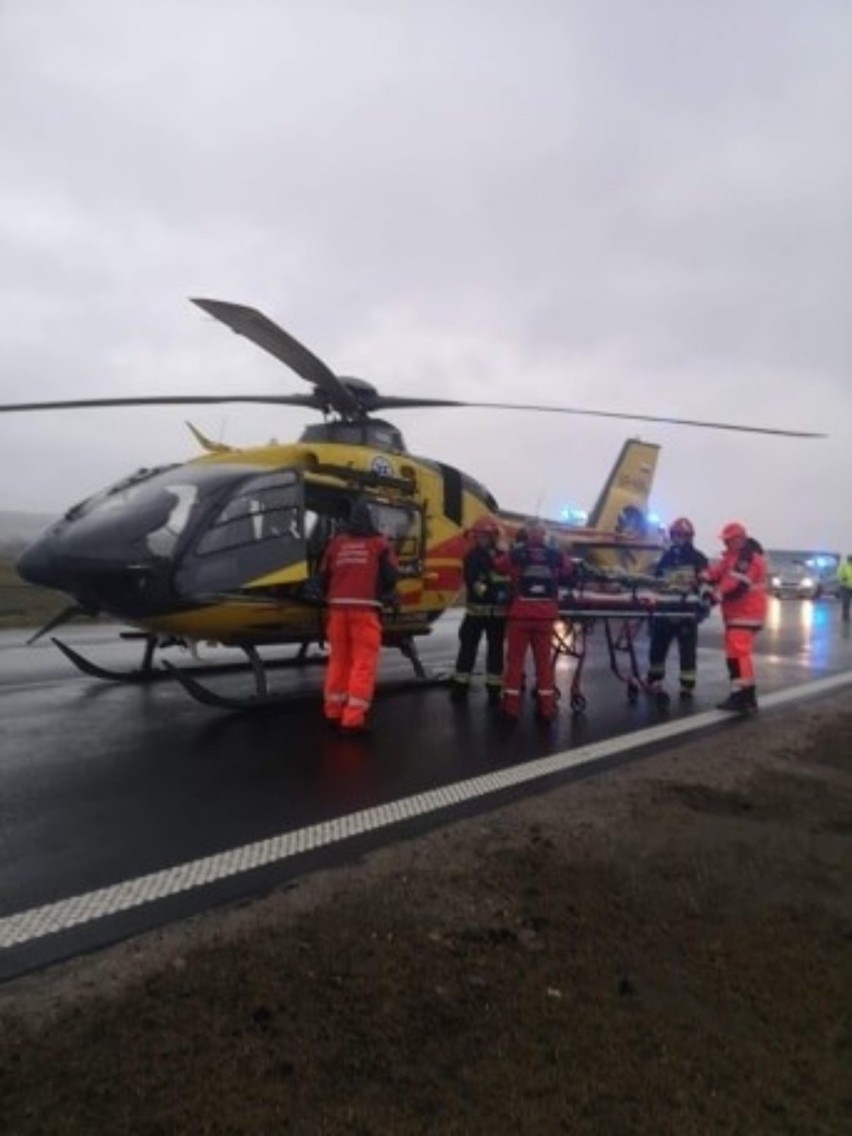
618,536
623,503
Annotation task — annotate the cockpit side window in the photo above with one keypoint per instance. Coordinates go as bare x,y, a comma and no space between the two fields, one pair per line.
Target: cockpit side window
256,530
265,509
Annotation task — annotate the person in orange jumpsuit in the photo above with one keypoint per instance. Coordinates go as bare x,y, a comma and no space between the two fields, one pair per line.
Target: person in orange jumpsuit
535,570
358,571
740,581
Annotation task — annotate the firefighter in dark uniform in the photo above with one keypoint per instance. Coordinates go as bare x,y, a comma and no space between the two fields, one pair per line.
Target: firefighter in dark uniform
485,612
680,568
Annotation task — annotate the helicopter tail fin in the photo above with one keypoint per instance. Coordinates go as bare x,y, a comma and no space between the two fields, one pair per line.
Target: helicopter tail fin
623,502
619,537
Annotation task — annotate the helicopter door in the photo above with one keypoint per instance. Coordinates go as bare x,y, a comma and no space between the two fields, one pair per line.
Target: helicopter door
403,526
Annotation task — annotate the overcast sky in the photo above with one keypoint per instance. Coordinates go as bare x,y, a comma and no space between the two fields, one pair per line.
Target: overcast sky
631,205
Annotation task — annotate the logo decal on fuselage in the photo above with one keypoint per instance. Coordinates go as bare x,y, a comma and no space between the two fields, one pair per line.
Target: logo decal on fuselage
381,466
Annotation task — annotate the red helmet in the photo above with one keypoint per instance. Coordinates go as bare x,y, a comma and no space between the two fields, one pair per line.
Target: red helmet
484,526
733,531
536,531
682,527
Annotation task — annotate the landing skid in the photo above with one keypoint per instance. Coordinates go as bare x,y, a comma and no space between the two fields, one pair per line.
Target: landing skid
263,697
148,672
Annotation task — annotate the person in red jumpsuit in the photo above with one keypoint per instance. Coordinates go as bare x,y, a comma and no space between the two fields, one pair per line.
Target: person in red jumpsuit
535,571
358,571
740,581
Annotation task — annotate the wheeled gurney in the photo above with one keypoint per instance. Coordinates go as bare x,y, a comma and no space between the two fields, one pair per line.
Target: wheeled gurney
623,609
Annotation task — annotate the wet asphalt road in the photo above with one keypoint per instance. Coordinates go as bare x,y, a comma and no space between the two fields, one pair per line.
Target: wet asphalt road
102,783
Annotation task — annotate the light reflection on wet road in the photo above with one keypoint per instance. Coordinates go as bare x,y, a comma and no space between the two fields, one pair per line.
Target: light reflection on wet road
102,782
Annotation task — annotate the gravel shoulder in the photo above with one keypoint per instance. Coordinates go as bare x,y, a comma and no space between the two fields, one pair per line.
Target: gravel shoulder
666,948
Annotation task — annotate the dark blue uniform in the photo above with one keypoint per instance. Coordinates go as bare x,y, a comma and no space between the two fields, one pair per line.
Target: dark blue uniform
485,614
679,569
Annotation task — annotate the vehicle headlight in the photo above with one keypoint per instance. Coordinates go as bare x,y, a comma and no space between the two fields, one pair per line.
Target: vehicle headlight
776,581
807,582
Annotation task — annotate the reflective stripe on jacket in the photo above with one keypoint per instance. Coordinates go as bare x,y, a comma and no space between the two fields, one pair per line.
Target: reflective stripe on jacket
358,570
679,567
486,586
535,570
740,578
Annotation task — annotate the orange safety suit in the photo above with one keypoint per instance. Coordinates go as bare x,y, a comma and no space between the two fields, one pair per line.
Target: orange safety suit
740,580
356,570
535,570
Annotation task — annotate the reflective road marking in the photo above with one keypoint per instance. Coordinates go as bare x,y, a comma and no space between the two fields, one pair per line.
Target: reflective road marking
26,926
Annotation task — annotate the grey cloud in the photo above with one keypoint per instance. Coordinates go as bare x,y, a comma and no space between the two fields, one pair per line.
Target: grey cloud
621,205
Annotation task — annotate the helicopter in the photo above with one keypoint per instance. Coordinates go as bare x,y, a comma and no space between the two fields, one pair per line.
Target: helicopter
223,548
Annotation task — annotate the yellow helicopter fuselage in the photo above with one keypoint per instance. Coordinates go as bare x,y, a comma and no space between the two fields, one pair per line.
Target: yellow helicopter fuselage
222,547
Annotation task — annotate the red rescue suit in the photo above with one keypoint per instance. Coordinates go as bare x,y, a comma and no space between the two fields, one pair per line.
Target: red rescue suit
535,571
740,579
356,570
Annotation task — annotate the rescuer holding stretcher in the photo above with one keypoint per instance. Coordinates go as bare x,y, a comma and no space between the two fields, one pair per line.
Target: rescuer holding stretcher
679,568
358,573
536,569
740,580
487,594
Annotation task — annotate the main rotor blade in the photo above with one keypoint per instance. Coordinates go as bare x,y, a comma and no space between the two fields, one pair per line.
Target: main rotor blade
402,403
268,335
393,402
312,401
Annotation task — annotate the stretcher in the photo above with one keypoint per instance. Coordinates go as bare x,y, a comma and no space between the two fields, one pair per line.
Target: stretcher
623,610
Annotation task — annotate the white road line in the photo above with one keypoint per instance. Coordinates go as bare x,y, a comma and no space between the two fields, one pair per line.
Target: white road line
25,926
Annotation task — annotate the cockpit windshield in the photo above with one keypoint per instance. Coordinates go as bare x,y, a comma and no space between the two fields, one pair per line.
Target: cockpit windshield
118,494
146,514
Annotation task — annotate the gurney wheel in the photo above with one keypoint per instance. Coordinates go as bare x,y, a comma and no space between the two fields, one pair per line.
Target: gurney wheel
578,703
632,692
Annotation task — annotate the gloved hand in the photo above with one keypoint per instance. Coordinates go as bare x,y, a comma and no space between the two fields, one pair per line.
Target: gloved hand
412,570
391,601
310,592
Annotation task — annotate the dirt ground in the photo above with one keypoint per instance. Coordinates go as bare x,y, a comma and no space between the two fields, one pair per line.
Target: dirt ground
662,949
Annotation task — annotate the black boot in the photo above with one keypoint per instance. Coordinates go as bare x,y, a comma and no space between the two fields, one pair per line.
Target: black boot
736,702
750,693
459,690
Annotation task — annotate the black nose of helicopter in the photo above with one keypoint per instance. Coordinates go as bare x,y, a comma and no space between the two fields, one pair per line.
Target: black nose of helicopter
38,564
